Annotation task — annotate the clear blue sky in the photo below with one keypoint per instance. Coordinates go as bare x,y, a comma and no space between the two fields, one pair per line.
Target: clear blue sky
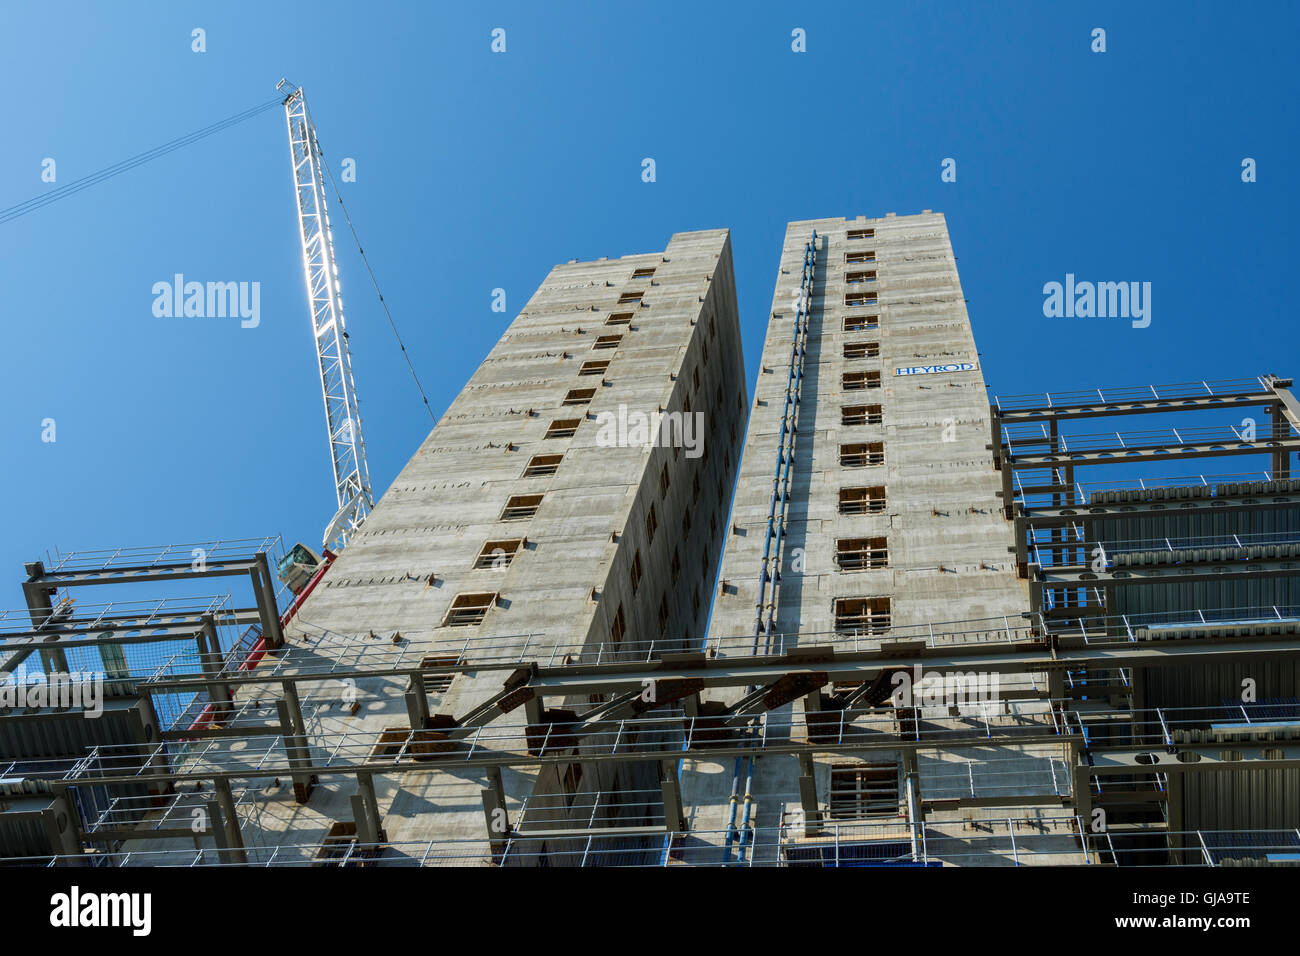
477,170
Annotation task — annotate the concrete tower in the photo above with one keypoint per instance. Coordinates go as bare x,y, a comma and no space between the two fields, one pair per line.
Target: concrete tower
867,509
568,503
944,631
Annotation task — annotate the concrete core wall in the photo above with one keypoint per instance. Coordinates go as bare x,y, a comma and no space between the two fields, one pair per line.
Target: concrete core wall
679,352
941,523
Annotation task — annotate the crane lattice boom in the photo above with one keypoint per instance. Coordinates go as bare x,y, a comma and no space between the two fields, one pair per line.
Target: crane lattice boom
347,448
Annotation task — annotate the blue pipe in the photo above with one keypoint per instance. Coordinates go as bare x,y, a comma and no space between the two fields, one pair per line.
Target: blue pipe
745,830
775,532
731,816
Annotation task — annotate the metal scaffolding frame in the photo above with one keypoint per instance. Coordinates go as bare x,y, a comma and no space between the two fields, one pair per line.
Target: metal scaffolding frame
1078,733
1081,741
1054,840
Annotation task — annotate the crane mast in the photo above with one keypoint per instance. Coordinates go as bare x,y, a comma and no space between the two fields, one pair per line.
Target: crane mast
342,417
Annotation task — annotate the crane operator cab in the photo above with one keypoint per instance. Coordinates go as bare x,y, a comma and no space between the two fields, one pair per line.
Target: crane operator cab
296,568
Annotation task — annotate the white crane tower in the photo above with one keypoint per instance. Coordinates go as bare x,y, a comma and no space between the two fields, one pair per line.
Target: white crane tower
347,447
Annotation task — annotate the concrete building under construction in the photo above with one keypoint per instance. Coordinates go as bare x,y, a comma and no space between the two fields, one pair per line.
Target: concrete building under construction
932,630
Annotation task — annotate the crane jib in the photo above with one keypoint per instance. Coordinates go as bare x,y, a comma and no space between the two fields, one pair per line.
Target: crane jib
342,416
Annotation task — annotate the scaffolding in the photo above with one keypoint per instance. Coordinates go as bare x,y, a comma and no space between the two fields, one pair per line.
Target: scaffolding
1006,841
268,728
1086,720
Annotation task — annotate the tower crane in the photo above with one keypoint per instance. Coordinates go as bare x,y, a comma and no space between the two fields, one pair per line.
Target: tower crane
342,417
320,269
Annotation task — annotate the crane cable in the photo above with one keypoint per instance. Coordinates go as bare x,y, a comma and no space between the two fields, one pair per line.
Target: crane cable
108,172
375,282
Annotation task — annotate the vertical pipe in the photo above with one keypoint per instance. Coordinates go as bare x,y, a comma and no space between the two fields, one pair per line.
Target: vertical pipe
775,528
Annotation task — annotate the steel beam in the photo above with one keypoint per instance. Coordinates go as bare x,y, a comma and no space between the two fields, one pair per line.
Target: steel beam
365,811
1083,576
627,678
1288,406
41,583
41,610
494,810
1104,409
230,816
297,749
483,759
417,701
1066,515
1197,758
125,629
671,788
1120,454
138,574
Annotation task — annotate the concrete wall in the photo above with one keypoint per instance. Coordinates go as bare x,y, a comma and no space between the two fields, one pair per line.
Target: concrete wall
391,589
947,540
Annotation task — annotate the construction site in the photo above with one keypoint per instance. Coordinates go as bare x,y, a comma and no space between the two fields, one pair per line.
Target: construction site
623,607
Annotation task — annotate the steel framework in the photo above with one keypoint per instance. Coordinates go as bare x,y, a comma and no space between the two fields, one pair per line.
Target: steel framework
1076,702
342,416
1091,754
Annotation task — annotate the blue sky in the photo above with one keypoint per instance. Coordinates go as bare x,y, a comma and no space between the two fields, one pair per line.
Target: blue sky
478,170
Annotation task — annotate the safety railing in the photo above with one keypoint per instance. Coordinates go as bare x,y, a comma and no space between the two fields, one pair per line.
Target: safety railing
337,653
1102,555
1025,482
1131,393
1046,840
159,555
1029,441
